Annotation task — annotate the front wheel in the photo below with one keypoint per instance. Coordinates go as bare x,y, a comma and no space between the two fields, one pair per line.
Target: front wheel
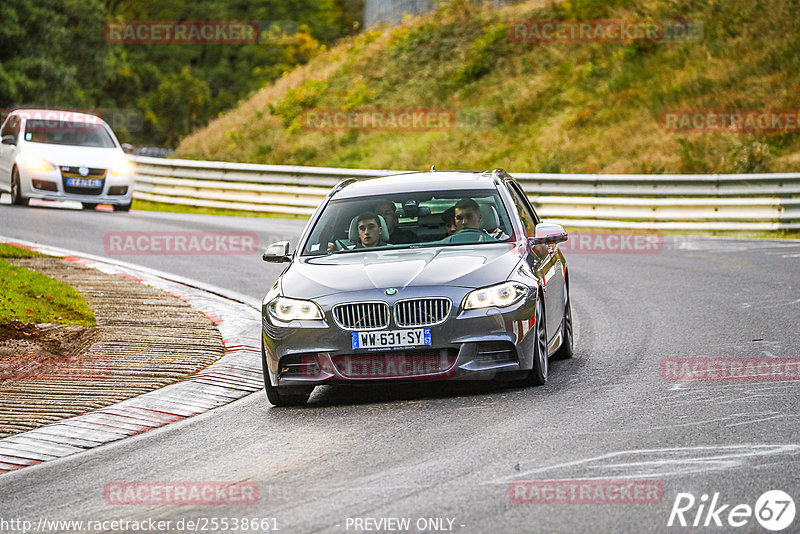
16,190
537,376
564,352
88,205
122,207
280,398
296,396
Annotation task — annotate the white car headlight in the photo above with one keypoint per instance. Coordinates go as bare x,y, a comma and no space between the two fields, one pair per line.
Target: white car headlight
286,309
499,296
36,163
123,168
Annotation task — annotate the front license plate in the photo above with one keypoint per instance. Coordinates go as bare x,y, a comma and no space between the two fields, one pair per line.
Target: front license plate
84,182
388,339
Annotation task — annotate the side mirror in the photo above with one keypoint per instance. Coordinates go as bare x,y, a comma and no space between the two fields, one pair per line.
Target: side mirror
9,140
548,234
277,253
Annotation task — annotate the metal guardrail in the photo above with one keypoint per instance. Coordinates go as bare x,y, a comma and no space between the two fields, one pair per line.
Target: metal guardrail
752,202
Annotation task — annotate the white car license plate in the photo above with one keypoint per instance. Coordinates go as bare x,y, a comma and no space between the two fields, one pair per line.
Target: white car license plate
387,339
84,182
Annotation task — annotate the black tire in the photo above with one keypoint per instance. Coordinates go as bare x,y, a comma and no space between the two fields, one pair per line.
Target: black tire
537,376
16,192
122,207
88,205
279,396
564,352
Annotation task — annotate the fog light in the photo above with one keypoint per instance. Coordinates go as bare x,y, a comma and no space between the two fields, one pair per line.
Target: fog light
44,185
118,190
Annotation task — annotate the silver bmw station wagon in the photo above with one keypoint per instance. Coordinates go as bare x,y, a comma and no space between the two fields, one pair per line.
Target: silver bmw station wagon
419,276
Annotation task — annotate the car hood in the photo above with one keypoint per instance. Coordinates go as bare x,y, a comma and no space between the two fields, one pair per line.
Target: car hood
76,156
481,265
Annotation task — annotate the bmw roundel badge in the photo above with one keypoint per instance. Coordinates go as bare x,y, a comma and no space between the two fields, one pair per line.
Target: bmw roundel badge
391,291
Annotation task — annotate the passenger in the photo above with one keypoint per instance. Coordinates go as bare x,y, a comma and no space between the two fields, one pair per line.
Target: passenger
385,208
369,230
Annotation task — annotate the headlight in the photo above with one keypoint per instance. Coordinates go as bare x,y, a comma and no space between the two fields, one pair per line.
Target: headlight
123,168
286,309
35,163
499,296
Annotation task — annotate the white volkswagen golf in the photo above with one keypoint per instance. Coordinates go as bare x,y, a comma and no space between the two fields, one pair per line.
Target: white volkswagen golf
63,155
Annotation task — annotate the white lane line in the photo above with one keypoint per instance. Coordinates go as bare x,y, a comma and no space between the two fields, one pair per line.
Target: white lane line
658,463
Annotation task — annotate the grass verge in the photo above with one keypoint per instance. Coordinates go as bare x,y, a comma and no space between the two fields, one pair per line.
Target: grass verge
31,297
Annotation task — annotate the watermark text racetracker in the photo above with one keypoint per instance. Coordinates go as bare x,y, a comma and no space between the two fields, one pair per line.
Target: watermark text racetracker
182,32
180,243
129,119
586,492
612,243
605,31
30,367
181,493
399,119
731,121
730,369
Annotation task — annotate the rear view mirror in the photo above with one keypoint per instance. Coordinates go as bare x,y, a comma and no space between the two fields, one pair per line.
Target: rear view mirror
9,140
277,253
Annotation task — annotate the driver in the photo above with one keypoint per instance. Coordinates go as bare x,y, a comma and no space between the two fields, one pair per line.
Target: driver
468,216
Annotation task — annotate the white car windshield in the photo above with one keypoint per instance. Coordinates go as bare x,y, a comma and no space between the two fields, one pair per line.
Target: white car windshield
68,133
410,220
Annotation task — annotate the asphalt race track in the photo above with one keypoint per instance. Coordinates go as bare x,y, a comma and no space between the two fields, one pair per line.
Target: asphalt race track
443,456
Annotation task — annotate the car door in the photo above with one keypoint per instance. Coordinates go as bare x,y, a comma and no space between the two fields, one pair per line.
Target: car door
7,153
545,263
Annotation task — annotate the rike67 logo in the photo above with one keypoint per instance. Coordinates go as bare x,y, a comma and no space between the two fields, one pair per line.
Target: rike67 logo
774,511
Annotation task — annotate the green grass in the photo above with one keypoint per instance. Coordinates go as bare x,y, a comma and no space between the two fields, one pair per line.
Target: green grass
12,251
147,205
549,107
31,297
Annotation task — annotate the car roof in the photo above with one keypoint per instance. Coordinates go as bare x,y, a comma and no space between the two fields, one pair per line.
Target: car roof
55,114
418,181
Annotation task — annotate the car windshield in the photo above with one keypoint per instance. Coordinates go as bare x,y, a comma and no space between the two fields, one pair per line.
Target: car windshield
410,220
56,132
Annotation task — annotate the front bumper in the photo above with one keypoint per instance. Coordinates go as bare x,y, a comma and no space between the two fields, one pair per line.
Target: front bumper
51,185
476,344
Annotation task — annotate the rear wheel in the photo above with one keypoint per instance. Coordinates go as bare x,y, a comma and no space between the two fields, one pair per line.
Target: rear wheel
16,191
88,205
564,352
537,376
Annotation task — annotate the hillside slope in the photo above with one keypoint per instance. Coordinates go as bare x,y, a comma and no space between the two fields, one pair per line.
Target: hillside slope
583,107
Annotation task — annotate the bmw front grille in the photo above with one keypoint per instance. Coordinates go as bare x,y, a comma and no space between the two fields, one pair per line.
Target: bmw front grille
421,312
362,315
